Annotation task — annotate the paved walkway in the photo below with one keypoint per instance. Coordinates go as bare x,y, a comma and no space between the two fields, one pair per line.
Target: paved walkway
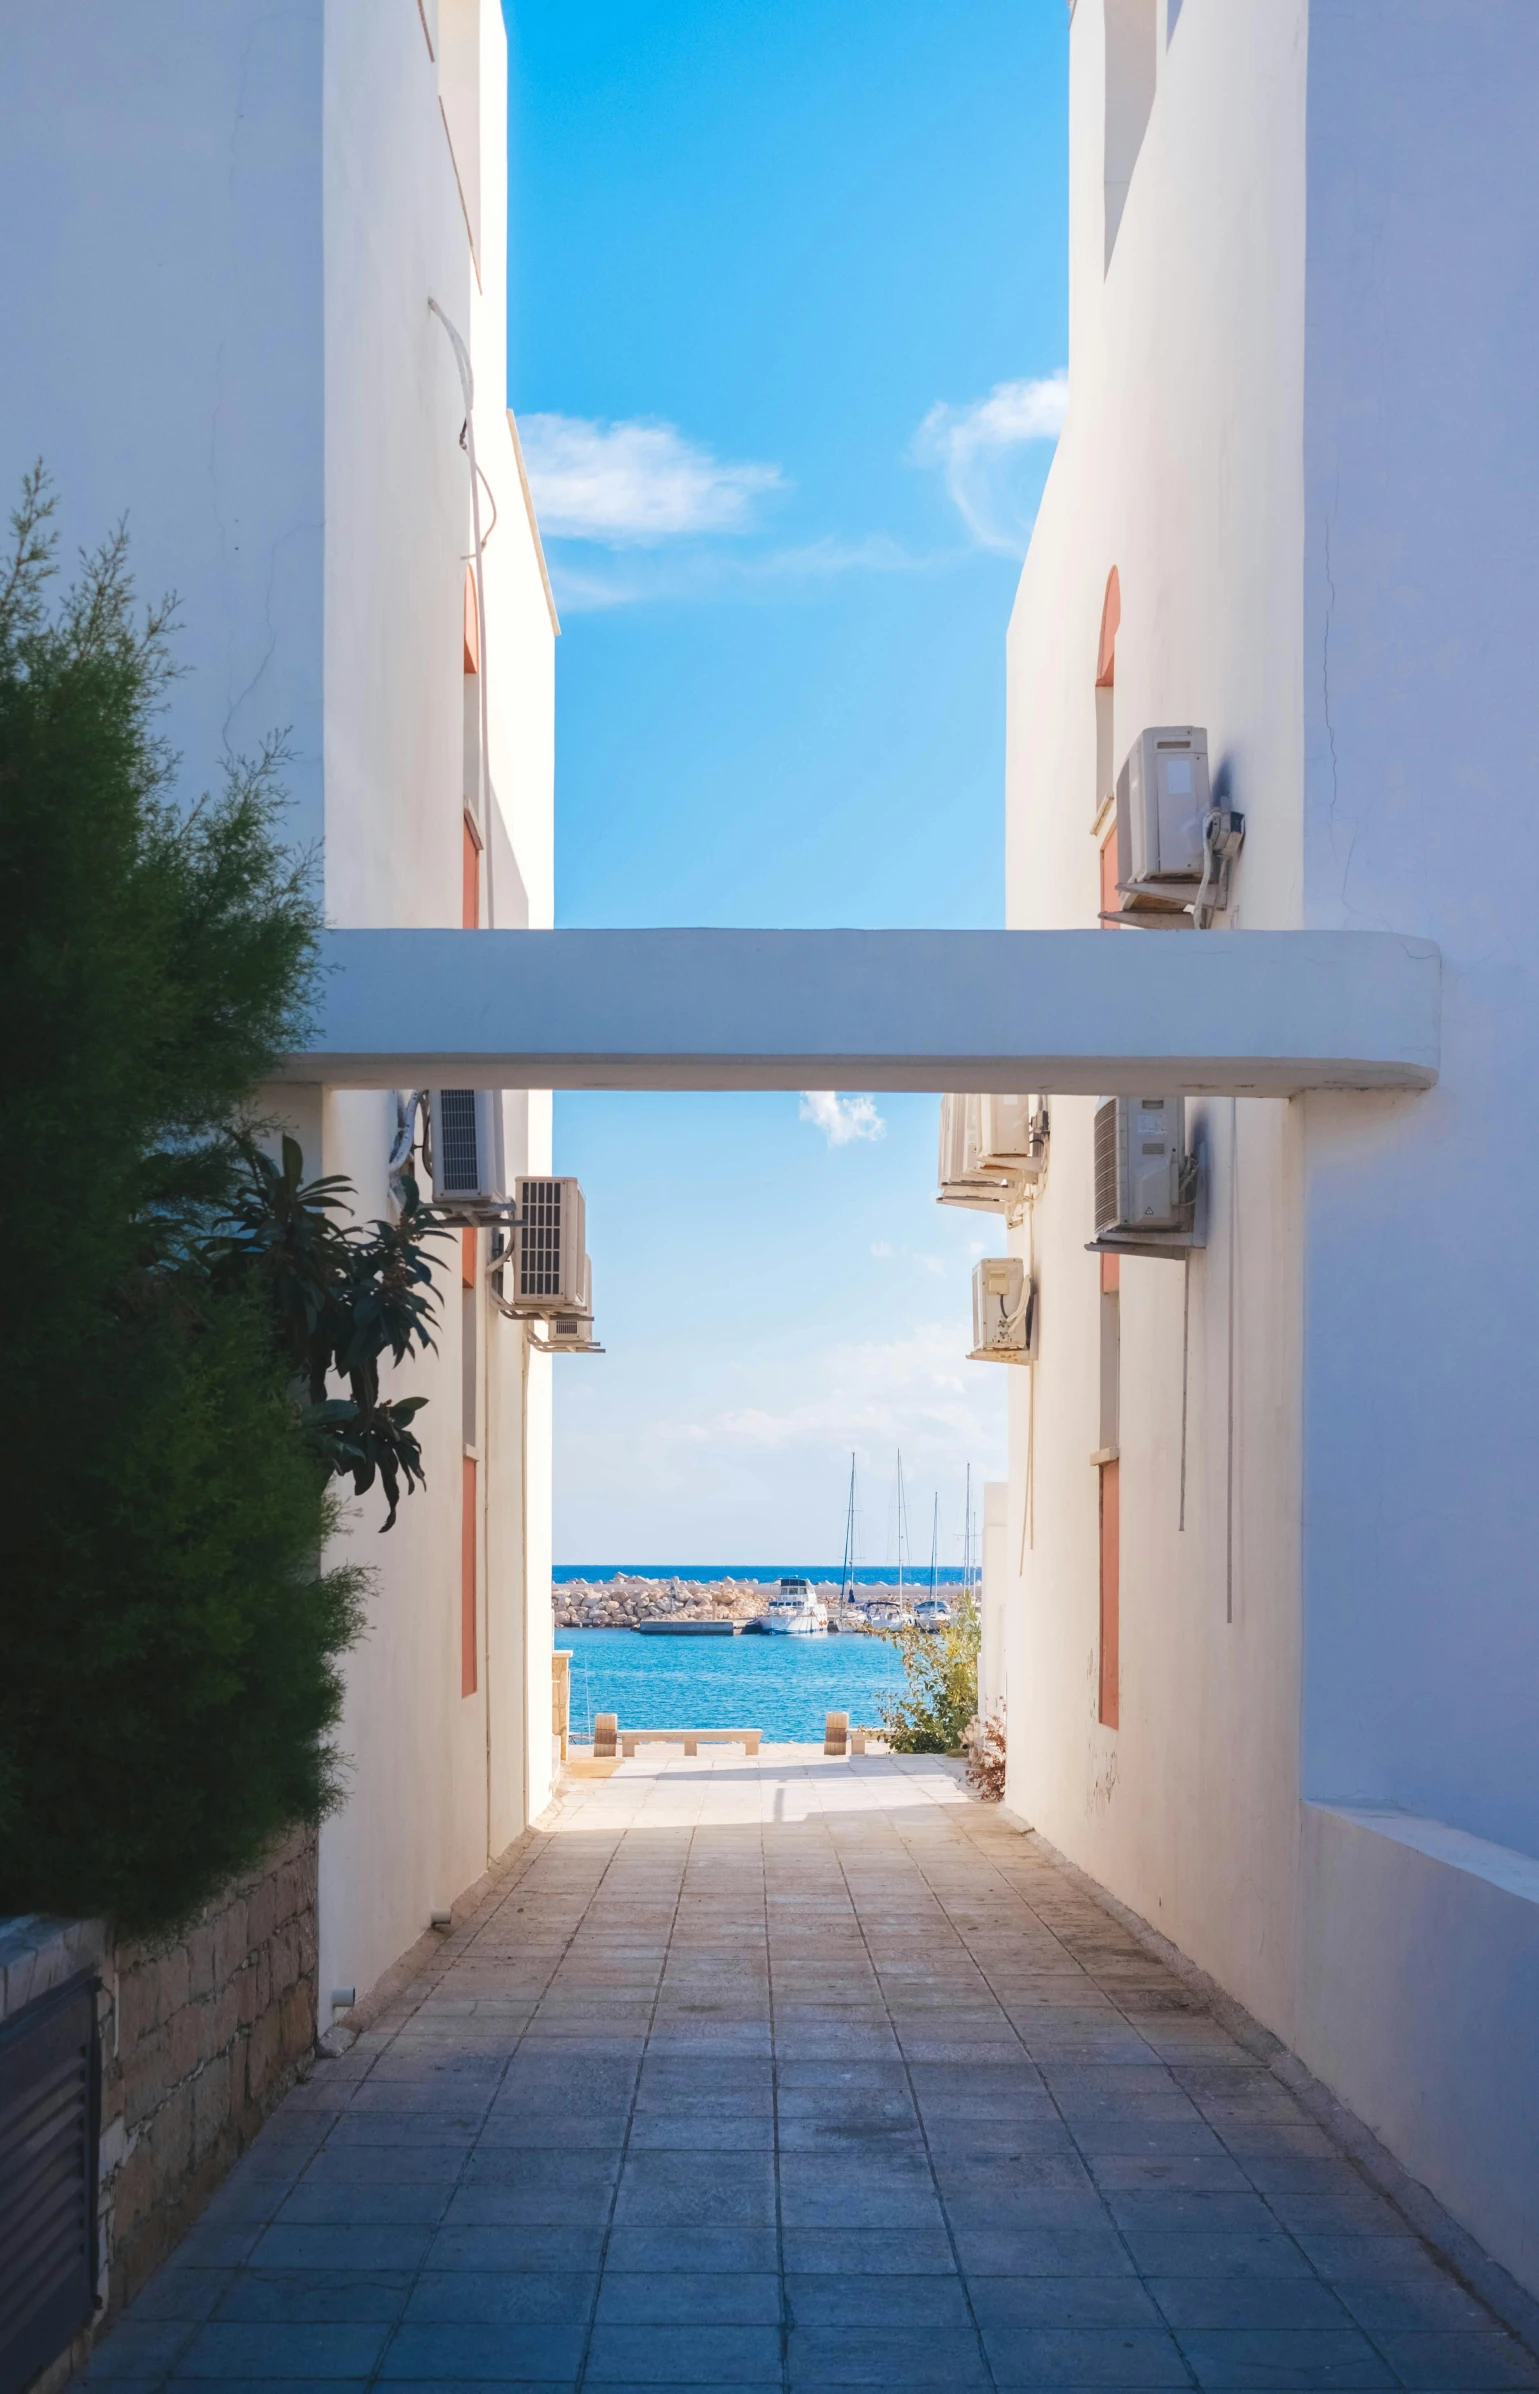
804,2074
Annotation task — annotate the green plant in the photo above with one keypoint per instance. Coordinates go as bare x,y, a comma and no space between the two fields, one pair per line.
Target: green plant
340,1298
941,1697
170,1687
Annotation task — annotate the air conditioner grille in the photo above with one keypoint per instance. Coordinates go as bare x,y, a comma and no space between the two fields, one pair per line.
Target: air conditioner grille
539,1240
1108,1204
457,1169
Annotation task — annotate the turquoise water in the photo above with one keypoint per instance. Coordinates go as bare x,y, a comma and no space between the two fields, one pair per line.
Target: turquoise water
779,1686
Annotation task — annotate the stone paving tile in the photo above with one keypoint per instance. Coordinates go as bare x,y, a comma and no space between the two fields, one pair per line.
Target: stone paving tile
1246,2357
672,2298
807,2074
876,2356
1059,2356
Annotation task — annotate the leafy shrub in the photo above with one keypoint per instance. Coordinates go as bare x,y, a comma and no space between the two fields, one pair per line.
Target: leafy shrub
941,1698
339,1298
170,1685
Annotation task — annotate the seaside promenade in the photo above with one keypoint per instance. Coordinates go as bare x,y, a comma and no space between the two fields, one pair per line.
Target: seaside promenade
801,2073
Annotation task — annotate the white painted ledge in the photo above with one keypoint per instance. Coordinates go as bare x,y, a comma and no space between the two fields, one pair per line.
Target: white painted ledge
1502,1866
1245,1013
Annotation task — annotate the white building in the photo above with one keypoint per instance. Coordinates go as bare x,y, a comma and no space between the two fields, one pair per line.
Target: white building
227,223
1272,1640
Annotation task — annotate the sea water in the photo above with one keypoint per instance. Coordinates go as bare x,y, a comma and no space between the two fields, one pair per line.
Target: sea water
781,1686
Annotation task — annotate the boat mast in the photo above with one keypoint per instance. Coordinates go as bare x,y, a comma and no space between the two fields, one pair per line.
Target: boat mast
902,1526
934,1543
967,1536
847,1583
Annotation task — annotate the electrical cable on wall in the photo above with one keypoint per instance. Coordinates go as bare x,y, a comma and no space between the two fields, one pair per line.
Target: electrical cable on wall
483,784
1186,1349
1234,1183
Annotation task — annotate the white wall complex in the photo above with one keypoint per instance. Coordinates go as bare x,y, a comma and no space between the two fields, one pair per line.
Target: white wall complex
1297,431
219,323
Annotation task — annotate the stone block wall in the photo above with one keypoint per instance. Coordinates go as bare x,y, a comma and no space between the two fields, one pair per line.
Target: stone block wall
201,2035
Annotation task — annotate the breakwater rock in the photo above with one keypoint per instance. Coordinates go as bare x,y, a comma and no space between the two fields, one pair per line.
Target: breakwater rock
621,1602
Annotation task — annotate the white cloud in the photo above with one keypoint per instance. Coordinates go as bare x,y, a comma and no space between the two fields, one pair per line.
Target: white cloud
694,572
841,1119
916,1391
636,483
984,453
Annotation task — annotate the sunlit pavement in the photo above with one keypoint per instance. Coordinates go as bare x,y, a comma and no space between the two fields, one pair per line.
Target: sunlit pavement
799,2073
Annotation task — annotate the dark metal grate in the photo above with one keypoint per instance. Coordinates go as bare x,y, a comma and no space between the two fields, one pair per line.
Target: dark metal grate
49,2124
458,1173
539,1240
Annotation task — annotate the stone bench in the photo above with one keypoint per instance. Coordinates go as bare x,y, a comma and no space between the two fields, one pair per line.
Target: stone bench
839,1737
690,1739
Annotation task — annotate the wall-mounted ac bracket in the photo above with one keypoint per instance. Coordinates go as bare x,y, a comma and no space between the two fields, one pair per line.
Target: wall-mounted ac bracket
566,1346
1175,1243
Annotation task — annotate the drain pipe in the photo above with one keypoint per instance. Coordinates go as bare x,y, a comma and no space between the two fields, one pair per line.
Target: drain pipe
483,782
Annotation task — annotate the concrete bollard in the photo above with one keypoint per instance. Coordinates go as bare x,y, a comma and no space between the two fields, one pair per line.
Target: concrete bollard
606,1736
836,1733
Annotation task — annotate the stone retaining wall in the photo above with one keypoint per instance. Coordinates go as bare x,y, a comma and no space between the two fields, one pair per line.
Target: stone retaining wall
201,2033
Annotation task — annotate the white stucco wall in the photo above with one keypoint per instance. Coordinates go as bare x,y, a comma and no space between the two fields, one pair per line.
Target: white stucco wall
1300,427
1421,1504
1185,415
399,535
218,322
163,338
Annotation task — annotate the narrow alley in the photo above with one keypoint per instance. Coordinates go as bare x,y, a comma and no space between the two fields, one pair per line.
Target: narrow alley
806,2074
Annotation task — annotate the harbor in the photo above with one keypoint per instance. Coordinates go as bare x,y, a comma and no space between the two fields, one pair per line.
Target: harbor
786,1686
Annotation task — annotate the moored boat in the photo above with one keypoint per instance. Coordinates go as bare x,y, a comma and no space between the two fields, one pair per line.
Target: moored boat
794,1611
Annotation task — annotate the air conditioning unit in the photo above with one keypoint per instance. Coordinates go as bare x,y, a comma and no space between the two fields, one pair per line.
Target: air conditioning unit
1004,1312
547,1273
1146,1185
1163,802
1012,1136
572,1333
465,1143
992,1150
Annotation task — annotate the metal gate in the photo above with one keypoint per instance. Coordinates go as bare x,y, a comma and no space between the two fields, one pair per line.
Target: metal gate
50,2104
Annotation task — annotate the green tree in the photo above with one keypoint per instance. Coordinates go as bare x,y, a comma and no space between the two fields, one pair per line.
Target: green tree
941,1697
170,1687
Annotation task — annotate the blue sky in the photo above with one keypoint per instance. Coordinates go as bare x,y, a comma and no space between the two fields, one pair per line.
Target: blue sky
787,328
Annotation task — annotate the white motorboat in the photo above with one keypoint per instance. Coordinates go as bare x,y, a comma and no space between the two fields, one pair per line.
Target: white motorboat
795,1612
932,1612
888,1612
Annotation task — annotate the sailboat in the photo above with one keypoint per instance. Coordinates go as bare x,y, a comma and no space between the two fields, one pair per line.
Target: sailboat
885,1612
932,1611
849,1602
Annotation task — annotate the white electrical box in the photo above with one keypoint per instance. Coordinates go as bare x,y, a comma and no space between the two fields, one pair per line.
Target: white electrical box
548,1272
465,1127
1163,802
1004,1311
1145,1183
993,1150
